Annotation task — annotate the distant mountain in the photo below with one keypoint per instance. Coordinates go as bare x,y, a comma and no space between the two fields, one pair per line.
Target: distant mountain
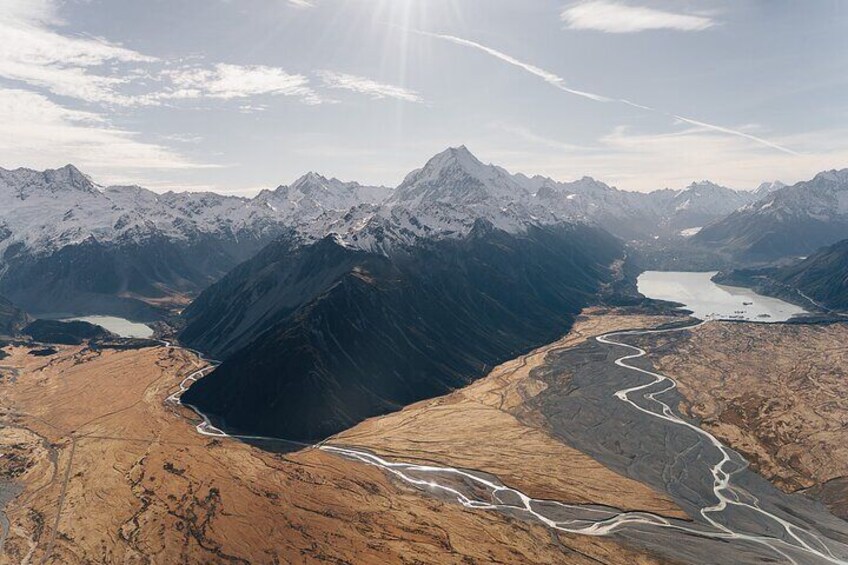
454,188
629,215
318,337
68,245
767,188
637,215
702,203
791,221
820,280
313,195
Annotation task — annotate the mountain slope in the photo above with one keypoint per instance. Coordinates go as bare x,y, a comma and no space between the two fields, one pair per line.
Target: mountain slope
823,276
12,319
791,221
379,332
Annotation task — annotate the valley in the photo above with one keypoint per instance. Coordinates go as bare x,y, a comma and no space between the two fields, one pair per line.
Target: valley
110,469
263,302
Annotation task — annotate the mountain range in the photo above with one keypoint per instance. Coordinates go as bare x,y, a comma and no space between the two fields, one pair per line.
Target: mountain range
329,302
68,245
792,221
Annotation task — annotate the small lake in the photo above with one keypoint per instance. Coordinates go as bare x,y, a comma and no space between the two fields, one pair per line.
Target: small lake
708,299
119,326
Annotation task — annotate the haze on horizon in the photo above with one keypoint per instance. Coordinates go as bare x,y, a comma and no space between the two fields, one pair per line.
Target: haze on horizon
235,96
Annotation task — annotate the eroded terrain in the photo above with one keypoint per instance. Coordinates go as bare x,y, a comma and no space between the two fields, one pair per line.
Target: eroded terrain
109,471
112,473
778,394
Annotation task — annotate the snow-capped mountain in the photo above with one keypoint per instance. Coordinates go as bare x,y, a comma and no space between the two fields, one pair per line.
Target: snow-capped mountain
81,242
454,189
793,220
443,199
313,195
702,203
457,177
768,187
629,215
66,243
43,212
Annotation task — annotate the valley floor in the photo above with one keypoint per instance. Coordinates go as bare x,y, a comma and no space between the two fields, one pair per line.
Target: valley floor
109,471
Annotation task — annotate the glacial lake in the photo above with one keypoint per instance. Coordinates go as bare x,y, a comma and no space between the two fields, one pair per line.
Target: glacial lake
119,326
708,299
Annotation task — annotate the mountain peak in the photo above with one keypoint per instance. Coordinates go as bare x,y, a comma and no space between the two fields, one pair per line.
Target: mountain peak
769,187
455,176
72,176
61,180
460,156
834,175
708,184
310,178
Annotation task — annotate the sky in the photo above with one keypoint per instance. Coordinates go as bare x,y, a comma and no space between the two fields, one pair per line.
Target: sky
239,95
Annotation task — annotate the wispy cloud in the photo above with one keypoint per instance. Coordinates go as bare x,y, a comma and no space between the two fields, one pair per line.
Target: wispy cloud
228,82
32,52
560,83
38,132
650,160
737,133
548,77
367,86
616,17
302,3
525,134
35,52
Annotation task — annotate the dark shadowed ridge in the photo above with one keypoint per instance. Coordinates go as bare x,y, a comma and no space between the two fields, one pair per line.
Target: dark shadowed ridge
319,338
822,276
792,221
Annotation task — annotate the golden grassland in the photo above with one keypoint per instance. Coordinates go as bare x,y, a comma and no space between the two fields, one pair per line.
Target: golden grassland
112,473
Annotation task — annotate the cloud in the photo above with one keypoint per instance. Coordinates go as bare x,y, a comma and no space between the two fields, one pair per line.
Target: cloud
523,133
363,85
720,129
648,160
302,3
33,52
548,77
615,17
559,83
229,82
95,70
37,132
